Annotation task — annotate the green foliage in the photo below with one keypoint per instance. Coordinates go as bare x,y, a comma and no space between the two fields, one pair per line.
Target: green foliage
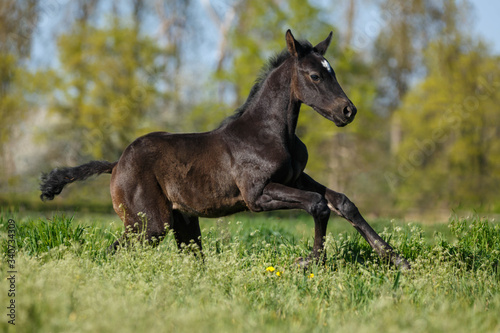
234,290
54,237
16,88
478,243
107,88
407,30
426,133
17,22
449,152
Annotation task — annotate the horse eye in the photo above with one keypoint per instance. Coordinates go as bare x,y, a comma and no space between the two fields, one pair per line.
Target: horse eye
315,77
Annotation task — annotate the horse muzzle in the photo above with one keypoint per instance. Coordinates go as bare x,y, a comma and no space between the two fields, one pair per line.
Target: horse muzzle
345,115
348,114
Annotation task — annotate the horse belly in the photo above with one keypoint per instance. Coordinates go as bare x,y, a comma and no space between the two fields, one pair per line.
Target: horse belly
207,201
206,195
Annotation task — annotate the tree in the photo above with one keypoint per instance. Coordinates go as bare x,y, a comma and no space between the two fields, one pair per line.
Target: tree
17,22
107,83
408,28
116,79
450,148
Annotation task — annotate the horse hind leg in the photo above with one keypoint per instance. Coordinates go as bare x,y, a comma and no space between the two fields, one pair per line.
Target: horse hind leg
148,216
144,227
187,231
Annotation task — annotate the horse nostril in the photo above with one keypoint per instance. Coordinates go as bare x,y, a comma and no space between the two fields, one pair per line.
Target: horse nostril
349,111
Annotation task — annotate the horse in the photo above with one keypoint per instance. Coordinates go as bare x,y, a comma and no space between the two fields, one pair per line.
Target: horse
253,161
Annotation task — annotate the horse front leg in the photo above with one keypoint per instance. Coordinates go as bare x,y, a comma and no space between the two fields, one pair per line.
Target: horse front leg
340,204
277,196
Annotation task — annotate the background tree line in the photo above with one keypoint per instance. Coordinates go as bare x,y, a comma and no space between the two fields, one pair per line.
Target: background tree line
427,90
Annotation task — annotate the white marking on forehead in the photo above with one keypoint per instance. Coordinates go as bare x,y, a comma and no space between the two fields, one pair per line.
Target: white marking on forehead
325,64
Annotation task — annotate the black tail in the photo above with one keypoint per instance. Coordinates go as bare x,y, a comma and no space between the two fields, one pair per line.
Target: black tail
53,183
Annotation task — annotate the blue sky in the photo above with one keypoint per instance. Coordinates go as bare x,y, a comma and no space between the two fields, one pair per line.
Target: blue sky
487,22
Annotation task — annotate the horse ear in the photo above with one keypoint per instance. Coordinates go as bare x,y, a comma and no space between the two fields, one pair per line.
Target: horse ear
323,46
294,47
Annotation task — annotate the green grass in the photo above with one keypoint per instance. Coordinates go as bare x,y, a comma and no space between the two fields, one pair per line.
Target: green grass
66,282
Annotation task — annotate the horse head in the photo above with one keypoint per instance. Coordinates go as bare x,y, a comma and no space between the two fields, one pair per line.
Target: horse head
315,84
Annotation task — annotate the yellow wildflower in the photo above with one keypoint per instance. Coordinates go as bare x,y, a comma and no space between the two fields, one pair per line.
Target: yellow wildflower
270,269
278,273
311,275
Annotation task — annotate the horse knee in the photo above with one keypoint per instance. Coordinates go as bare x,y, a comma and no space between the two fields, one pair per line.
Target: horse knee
319,208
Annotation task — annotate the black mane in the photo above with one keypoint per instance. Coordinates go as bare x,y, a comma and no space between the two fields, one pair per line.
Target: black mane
273,63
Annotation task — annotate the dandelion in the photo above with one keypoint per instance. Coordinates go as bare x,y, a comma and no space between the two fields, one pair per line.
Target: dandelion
278,273
311,275
270,269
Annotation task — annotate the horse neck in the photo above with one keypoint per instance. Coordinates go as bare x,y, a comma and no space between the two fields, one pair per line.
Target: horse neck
275,108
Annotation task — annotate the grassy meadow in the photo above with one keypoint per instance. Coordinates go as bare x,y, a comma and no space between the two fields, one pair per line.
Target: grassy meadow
248,282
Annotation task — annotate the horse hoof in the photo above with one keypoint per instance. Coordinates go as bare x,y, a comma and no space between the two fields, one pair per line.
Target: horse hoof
302,262
403,264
